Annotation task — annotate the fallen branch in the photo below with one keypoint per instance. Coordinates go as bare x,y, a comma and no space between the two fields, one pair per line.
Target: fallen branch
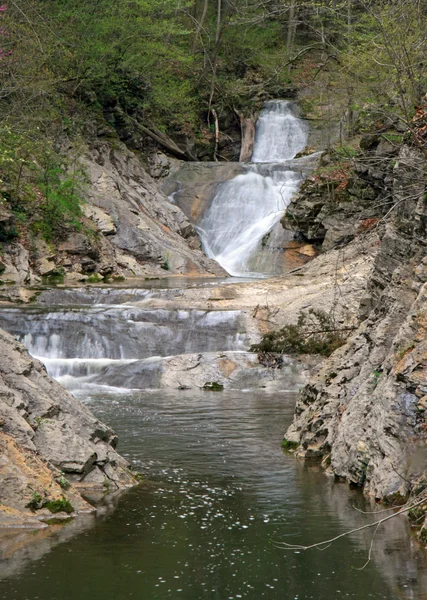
161,139
319,545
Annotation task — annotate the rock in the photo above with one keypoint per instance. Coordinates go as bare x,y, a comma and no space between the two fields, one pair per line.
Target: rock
45,267
365,407
103,222
160,165
74,277
46,434
77,243
16,266
209,371
148,226
125,214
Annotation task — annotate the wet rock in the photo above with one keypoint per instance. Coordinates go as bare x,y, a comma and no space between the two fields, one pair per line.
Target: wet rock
208,371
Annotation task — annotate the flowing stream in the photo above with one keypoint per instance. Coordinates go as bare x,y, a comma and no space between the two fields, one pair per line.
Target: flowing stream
219,491
246,208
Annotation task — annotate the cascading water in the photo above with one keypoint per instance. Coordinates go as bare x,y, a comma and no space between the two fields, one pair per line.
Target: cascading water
280,135
76,345
246,208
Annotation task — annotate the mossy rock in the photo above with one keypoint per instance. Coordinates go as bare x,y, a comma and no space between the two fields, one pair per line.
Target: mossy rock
289,446
95,278
213,386
417,515
61,505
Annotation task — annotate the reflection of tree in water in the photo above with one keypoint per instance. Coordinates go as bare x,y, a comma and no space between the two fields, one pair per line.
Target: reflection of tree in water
397,555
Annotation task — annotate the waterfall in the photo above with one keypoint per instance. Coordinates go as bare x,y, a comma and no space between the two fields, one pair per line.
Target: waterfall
78,344
280,135
246,208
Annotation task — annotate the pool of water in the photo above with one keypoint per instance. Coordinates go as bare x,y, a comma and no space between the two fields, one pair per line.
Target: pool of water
219,492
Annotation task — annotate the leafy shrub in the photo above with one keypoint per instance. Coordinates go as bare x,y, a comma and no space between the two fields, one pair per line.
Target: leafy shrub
56,506
315,332
35,502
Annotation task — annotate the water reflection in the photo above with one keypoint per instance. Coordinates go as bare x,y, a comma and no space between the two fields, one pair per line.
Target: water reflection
218,490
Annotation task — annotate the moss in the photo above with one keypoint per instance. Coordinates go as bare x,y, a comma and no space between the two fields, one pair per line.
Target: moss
265,239
64,483
417,515
288,445
55,521
56,506
95,278
54,278
213,386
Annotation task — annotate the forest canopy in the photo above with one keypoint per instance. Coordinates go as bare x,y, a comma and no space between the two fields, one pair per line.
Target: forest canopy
166,67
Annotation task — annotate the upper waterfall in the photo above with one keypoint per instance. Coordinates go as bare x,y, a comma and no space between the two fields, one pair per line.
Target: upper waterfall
246,208
280,135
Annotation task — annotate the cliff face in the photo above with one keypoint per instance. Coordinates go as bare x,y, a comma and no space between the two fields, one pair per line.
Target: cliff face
129,228
51,447
364,410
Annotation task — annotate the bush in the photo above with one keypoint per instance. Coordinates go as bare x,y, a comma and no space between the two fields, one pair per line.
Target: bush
56,506
315,332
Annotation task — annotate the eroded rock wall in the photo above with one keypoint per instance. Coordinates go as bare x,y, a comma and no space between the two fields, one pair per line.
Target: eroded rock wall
364,410
51,446
129,229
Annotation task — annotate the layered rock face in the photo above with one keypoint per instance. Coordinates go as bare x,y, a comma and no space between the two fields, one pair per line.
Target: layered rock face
130,228
51,446
364,411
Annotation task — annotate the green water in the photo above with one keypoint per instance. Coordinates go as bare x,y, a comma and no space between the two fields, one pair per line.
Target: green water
218,491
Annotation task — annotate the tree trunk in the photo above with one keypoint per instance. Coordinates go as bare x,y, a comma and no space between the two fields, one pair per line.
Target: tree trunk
247,129
218,22
200,24
215,116
291,31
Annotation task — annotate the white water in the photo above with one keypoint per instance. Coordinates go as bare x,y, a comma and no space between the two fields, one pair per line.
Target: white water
77,345
247,207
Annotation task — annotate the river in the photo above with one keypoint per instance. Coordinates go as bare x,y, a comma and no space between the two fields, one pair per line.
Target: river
219,492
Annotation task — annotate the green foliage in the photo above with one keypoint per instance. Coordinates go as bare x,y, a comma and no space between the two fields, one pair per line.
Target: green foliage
288,445
36,501
61,505
42,189
213,386
60,201
315,332
95,278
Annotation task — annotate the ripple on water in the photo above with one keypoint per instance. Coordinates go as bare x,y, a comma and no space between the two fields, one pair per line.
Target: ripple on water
218,490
